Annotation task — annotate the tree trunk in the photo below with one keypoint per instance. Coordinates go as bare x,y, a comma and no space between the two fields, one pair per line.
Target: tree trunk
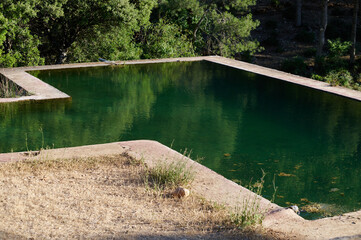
299,13
353,32
323,26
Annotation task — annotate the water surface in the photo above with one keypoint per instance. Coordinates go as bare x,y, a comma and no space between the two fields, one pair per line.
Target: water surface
239,123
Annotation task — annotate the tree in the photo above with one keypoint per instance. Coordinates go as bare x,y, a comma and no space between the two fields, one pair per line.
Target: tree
219,27
18,46
323,26
353,32
116,44
167,40
66,21
298,13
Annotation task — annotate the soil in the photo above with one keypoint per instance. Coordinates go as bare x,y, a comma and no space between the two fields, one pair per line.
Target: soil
102,198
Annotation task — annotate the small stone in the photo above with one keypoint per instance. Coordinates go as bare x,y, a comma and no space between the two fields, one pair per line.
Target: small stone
295,209
181,192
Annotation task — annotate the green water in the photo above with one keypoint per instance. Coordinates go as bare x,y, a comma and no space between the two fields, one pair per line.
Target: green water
262,123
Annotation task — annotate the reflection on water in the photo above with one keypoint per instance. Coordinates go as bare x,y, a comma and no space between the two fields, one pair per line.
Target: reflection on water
238,122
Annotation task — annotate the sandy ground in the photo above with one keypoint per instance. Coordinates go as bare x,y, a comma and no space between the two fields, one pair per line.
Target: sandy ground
101,198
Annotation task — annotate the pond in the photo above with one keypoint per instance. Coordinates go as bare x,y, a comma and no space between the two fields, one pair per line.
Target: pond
306,141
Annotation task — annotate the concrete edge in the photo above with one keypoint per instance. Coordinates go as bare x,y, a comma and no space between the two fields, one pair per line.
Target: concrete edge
40,90
295,79
43,91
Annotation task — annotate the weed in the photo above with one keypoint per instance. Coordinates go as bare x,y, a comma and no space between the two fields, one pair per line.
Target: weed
169,174
249,212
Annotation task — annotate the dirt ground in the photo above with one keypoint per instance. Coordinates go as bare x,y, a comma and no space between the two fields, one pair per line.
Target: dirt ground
101,198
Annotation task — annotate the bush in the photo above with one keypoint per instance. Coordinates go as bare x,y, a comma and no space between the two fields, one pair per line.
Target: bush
295,65
333,61
338,48
167,40
317,77
339,78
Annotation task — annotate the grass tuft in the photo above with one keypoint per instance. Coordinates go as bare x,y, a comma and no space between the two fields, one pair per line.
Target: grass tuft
249,213
169,174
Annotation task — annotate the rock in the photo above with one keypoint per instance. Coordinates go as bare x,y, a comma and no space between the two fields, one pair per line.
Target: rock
181,192
295,209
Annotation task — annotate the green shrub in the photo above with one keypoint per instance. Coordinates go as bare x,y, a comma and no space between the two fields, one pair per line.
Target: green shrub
339,78
295,65
167,40
338,48
317,77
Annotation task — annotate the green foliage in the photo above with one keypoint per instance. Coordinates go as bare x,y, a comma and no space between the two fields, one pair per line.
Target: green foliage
214,26
117,44
338,48
166,40
334,61
57,31
339,78
295,65
18,46
317,77
74,20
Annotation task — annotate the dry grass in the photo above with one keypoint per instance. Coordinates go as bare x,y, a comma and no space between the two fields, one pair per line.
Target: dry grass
100,198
